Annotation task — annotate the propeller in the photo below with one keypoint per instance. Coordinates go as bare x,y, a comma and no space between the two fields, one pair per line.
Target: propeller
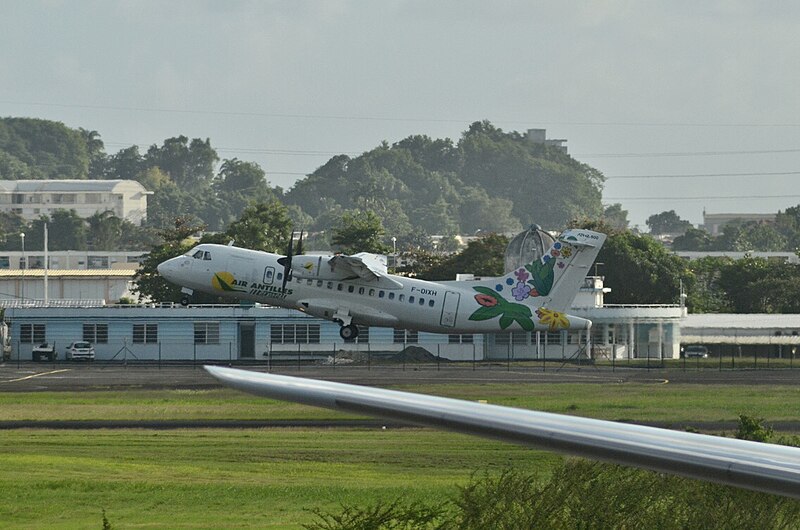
287,260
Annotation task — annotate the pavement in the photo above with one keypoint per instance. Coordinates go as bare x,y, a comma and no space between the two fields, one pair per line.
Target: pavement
63,376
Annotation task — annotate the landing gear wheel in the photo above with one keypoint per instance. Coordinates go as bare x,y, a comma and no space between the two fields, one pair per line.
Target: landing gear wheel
349,332
185,301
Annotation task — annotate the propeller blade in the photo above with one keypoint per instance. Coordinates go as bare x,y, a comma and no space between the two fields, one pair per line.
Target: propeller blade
287,262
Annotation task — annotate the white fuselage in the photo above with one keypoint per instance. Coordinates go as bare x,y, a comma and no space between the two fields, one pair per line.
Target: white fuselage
437,307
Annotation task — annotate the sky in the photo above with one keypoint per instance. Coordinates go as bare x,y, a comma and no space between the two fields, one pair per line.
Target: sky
697,100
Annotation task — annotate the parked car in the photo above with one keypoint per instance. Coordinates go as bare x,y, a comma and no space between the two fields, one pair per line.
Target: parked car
695,350
80,350
44,352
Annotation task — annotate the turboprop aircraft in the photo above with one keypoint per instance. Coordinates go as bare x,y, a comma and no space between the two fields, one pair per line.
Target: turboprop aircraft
357,289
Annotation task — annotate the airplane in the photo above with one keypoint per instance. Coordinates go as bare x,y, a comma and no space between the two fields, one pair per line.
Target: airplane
745,464
358,290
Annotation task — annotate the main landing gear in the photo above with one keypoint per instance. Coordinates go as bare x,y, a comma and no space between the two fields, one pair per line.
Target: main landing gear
348,332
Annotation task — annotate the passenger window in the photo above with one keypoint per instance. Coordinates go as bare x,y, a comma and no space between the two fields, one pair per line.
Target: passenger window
421,301
391,296
350,288
330,285
280,275
372,292
319,283
310,282
410,299
401,298
430,302
381,294
339,287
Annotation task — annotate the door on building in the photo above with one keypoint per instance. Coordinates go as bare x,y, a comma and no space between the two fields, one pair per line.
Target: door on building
247,340
450,309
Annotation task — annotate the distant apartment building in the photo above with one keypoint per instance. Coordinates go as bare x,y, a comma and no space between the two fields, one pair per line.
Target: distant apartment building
713,223
31,199
539,136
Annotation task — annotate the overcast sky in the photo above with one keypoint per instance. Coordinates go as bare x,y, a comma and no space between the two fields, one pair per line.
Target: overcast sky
637,88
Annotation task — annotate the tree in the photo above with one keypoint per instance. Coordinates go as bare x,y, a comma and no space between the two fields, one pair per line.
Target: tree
483,257
66,231
264,226
667,223
96,152
616,217
41,149
189,164
640,270
360,231
693,239
751,235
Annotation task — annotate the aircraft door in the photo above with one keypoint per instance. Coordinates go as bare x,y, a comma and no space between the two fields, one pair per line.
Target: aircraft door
269,275
450,309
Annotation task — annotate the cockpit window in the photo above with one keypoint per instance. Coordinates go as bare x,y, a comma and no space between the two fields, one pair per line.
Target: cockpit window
198,255
207,256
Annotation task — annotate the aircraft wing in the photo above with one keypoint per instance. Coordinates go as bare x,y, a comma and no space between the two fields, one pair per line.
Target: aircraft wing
368,267
751,465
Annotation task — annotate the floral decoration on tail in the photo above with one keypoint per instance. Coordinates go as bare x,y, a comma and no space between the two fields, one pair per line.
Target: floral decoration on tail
494,305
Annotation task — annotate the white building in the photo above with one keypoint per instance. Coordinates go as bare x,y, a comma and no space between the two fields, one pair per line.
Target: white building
33,198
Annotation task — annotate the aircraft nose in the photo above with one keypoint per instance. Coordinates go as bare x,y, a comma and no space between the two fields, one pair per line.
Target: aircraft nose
166,267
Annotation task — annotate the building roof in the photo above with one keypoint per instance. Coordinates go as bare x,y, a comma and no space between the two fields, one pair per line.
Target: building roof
66,185
61,273
741,321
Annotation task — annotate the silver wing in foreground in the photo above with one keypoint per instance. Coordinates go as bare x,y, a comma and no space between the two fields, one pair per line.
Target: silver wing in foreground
752,465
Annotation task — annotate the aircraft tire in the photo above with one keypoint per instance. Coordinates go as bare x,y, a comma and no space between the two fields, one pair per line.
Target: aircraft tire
185,301
348,332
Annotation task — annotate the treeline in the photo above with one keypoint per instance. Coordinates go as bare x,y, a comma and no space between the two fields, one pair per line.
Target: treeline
739,235
488,181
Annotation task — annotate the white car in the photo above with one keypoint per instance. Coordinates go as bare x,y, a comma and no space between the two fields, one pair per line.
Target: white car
80,350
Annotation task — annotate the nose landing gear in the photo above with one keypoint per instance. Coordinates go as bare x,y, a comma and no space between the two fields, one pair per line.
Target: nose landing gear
186,296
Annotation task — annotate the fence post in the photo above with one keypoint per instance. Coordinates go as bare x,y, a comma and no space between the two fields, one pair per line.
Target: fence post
194,356
159,355
473,354
437,356
230,354
298,356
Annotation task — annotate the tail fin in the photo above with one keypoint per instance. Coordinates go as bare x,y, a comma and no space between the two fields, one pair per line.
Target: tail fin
553,280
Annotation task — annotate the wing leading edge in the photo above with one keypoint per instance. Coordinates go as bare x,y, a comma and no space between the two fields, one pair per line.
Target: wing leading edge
752,465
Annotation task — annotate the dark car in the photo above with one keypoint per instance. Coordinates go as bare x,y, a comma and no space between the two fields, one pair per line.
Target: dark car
44,352
695,350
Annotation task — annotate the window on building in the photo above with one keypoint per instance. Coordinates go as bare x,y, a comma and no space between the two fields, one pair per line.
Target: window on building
553,337
294,333
95,333
206,332
5,263
460,339
363,336
32,333
145,333
36,262
405,335
93,198
97,262
515,337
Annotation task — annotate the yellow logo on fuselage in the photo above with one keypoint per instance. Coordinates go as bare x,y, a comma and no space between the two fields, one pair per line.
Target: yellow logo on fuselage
225,281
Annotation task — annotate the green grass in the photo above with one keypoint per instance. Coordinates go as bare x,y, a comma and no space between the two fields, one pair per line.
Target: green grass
270,478
230,479
626,401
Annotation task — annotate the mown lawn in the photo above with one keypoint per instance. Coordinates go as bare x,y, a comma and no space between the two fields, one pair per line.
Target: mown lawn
627,401
252,478
271,478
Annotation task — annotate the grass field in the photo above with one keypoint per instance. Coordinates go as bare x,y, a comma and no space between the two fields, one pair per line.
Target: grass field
270,478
